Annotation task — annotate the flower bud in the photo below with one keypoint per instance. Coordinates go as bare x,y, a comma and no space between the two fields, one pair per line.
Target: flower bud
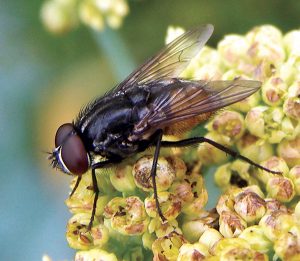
90,15
209,154
95,254
207,72
179,166
297,210
83,198
254,148
231,225
194,228
229,124
127,215
115,235
165,173
205,66
93,13
79,237
291,106
114,20
167,247
269,123
229,243
233,50
122,179
287,245
237,249
59,16
254,189
249,206
273,163
266,45
280,188
289,150
255,236
294,89
200,195
170,205
183,190
163,229
208,55
103,181
273,205
243,254
273,91
275,223
294,175
225,203
196,251
264,70
255,121
287,71
210,237
291,42
276,164
223,176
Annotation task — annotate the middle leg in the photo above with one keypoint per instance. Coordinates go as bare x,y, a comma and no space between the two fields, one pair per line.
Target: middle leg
153,173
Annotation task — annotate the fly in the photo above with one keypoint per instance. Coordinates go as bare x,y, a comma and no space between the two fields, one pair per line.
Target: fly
150,102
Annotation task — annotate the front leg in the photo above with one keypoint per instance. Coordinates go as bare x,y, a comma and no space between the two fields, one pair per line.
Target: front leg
76,186
98,165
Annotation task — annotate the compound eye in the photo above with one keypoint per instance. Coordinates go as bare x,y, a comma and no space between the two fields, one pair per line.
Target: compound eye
62,133
74,155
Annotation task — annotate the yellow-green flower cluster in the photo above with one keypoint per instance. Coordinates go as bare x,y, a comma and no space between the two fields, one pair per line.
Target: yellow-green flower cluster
126,215
258,213
265,128
263,225
59,16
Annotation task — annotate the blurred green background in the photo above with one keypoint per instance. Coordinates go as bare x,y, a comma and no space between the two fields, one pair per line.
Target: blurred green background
45,80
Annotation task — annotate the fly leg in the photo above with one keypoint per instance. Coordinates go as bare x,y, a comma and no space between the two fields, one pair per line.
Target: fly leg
96,191
76,186
98,165
234,154
153,173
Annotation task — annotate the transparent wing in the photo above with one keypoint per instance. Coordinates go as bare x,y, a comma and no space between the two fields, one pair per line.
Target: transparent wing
171,60
193,99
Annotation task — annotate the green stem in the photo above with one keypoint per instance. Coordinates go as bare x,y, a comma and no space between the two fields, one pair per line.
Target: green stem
117,53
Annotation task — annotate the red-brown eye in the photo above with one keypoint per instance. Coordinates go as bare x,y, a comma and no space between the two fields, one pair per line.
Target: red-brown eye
74,155
73,152
62,132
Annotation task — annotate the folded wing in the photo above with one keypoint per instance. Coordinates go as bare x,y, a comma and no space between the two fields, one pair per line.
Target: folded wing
192,99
